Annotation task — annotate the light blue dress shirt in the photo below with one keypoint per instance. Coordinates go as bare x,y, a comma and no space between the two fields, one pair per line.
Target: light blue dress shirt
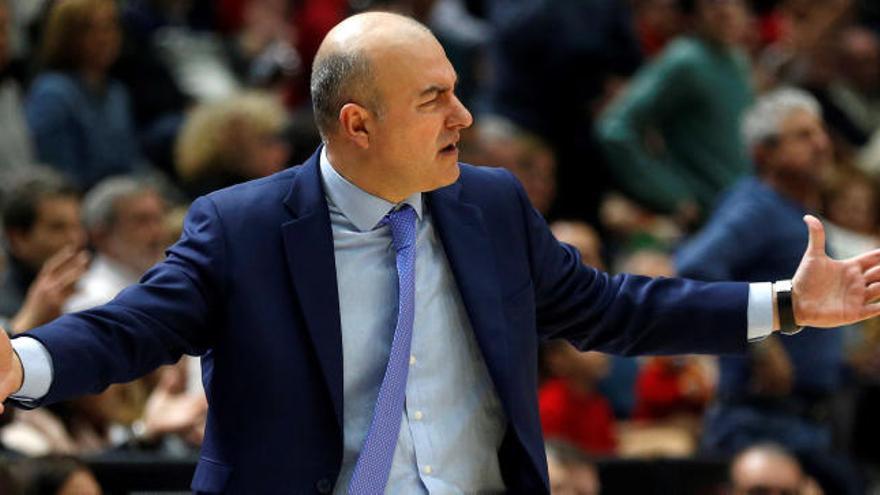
453,422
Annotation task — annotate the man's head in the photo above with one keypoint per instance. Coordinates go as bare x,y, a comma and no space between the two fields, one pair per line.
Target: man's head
766,469
859,49
583,237
722,21
786,136
41,216
81,35
124,220
384,101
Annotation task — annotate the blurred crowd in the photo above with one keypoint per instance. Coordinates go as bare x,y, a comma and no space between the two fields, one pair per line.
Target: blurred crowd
658,137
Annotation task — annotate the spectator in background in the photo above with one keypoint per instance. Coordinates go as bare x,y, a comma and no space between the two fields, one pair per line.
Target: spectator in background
500,142
583,237
15,141
671,392
571,471
657,22
756,234
769,469
123,217
851,204
80,118
231,141
852,97
56,475
672,139
553,64
44,240
570,405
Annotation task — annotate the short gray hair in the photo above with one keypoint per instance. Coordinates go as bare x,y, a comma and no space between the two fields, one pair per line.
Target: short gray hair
762,121
336,78
99,205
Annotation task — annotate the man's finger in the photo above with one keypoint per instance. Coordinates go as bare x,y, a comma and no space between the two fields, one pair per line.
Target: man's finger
58,259
868,260
872,292
816,245
872,275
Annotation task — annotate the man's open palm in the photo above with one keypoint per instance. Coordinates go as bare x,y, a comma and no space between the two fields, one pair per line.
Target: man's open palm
830,293
10,369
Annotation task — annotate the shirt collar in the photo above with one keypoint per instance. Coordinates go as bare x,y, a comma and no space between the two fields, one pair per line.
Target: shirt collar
363,209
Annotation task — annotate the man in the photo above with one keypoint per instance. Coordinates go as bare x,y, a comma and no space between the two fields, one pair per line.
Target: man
672,138
44,240
774,393
287,286
124,218
767,468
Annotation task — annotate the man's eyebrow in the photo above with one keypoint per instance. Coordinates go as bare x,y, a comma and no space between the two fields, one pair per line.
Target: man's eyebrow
438,88
434,88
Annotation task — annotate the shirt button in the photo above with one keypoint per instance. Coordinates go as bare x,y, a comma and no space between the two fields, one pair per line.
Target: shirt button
418,415
412,360
427,469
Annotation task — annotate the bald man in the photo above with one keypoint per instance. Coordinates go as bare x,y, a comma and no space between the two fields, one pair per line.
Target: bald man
369,320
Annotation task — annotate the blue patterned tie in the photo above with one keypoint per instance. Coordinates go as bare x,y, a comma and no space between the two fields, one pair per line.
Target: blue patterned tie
374,464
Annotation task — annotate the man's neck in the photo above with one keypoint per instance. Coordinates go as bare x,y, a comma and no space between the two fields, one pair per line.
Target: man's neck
357,172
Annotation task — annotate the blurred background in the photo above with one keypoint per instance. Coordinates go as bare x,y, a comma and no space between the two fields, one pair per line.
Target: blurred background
658,137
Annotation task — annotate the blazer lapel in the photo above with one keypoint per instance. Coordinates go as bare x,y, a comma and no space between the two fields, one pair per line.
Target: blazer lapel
308,241
469,250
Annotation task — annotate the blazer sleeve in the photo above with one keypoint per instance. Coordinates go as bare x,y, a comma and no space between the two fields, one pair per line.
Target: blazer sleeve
628,314
170,312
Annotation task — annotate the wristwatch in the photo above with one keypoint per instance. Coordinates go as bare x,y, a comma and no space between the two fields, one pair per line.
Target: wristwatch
785,307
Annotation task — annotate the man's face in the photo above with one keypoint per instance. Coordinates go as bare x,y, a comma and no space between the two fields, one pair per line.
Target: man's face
415,138
725,21
57,225
137,238
802,147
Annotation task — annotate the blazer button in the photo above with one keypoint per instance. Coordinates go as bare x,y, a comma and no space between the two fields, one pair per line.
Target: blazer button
324,485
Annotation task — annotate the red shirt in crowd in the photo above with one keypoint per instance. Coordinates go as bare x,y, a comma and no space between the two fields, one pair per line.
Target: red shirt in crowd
584,419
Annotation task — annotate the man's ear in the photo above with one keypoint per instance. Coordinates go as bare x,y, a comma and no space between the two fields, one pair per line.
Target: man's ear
354,124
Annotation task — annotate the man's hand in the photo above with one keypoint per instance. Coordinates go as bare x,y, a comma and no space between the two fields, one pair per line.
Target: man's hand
830,293
55,283
11,374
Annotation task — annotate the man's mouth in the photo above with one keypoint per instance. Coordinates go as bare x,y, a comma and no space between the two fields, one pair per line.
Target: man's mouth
451,148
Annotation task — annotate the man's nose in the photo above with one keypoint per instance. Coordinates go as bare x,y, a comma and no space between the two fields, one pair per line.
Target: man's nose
461,117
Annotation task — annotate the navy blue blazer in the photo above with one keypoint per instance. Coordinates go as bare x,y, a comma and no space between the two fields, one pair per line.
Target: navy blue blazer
251,285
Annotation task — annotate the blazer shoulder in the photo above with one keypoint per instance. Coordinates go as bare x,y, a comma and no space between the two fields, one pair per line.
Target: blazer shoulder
487,182
257,191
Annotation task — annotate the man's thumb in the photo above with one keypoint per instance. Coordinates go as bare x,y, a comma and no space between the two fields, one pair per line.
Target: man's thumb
816,244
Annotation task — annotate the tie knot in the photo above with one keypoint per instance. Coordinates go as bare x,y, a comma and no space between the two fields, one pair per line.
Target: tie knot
403,226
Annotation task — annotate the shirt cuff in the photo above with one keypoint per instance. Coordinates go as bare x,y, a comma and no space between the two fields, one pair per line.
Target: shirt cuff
760,312
37,366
